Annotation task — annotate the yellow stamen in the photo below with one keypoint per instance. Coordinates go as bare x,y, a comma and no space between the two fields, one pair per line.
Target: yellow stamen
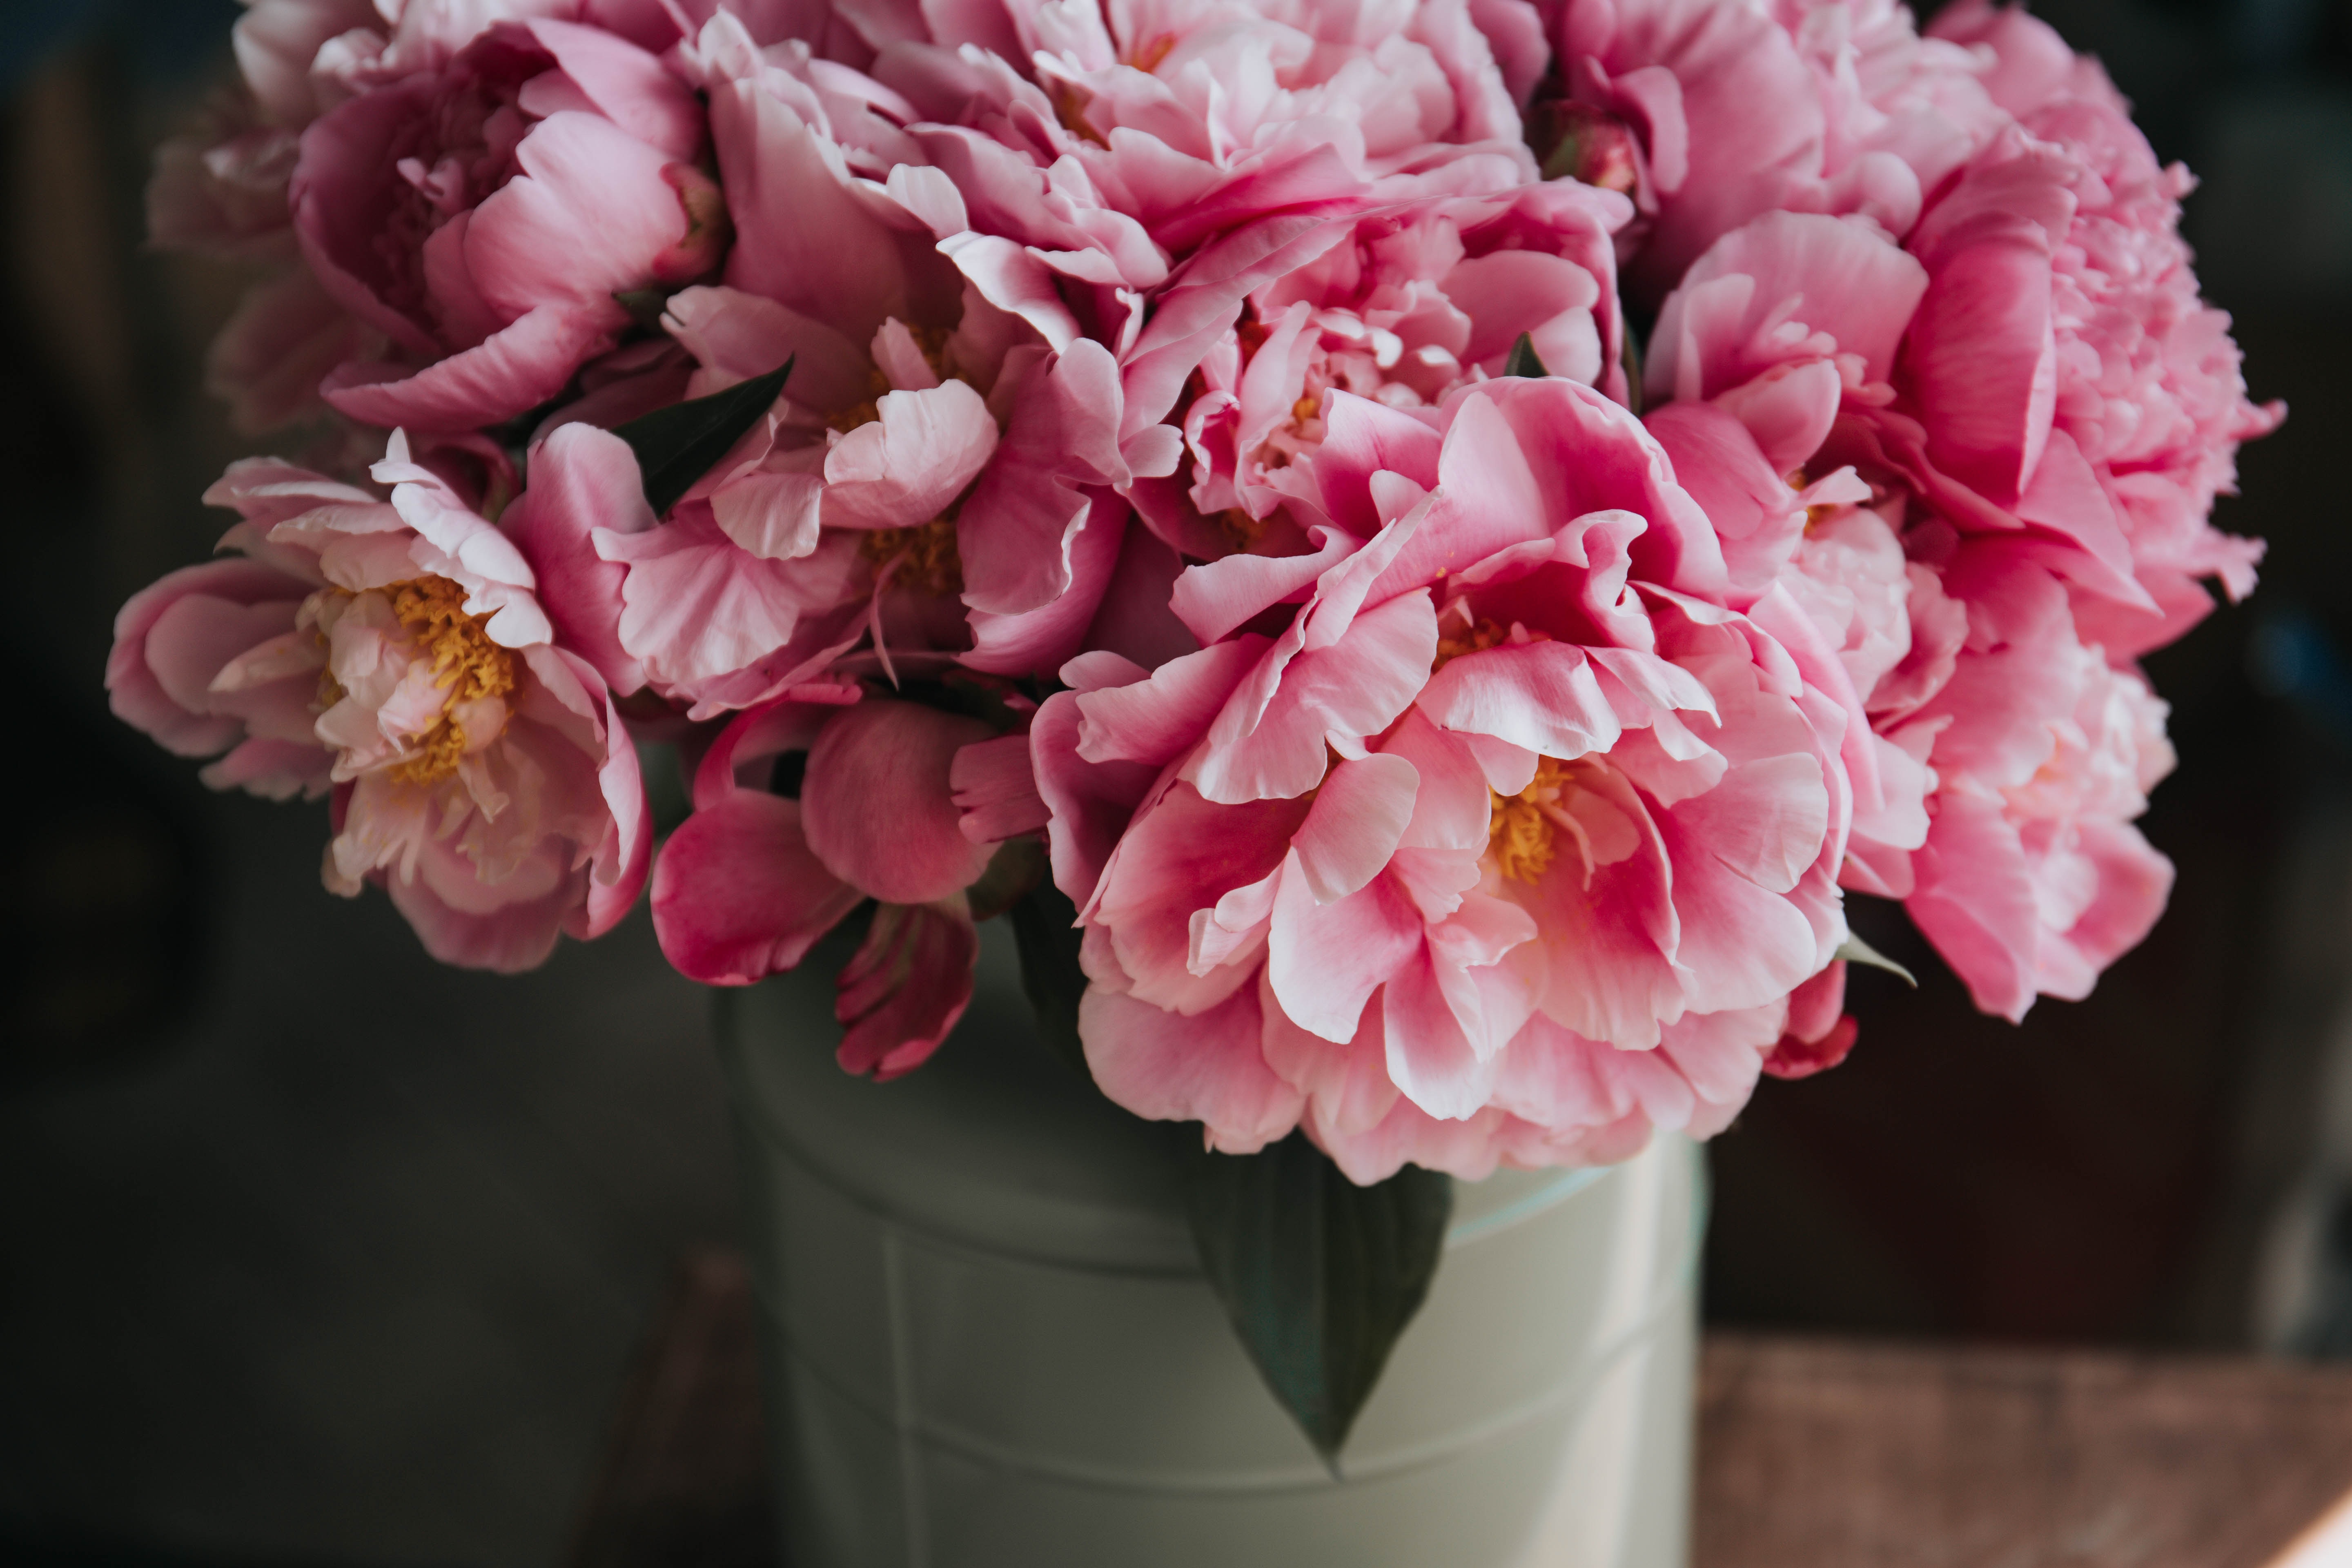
1477,638
929,563
1070,109
466,663
1240,527
864,413
1521,830
1147,58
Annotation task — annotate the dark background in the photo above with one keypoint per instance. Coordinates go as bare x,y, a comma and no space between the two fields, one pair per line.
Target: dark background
313,1251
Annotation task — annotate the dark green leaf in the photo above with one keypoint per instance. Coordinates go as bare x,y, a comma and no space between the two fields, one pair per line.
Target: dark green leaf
677,444
1523,360
1632,362
1044,924
1319,1274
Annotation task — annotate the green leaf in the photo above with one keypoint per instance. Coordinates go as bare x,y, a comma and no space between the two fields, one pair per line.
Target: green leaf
1044,924
677,444
1523,360
1632,359
1857,951
1318,1275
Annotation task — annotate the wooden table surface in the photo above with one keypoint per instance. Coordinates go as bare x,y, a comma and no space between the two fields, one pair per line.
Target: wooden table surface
1812,1454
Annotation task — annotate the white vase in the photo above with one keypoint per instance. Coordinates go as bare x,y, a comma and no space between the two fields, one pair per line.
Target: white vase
988,1344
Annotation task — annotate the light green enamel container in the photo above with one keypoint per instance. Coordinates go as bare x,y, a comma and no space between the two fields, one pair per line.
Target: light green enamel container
987,1343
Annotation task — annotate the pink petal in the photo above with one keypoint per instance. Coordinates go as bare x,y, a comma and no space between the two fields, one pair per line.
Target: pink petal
1091,802
1206,1068
1983,363
1975,900
1430,1058
1538,695
877,806
738,895
996,790
903,470
905,986
581,480
625,84
1359,813
512,371
1325,960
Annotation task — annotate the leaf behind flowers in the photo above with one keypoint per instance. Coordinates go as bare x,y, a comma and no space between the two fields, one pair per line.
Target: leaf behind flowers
1044,925
677,444
1319,1276
1523,360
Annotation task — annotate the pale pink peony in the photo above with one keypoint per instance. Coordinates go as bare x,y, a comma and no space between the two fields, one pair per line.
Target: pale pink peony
753,880
2033,879
483,214
2063,376
1504,847
2042,413
1738,108
395,651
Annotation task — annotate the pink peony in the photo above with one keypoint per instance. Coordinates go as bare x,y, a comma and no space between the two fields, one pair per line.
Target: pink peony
934,476
395,651
1409,303
1129,176
1502,846
2063,374
484,214
2031,879
753,880
2043,411
1737,107
222,190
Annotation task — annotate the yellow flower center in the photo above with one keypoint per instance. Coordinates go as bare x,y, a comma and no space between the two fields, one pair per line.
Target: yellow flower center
466,665
1520,829
926,555
1478,638
1146,57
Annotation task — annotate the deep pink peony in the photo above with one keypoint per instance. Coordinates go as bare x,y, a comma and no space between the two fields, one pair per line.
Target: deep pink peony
1505,847
395,651
483,214
222,190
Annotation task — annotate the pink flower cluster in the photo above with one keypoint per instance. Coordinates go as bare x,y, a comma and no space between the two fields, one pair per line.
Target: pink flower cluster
1456,533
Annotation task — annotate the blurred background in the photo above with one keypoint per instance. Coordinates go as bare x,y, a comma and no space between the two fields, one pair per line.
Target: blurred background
314,1251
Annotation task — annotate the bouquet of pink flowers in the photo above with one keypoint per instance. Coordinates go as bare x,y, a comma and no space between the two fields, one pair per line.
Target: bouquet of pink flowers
1421,551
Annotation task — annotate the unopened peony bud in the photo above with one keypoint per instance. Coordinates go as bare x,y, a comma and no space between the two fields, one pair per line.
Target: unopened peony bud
708,230
1573,140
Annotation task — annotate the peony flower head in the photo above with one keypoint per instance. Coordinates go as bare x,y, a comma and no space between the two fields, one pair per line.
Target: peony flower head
1402,307
484,214
394,651
1501,802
